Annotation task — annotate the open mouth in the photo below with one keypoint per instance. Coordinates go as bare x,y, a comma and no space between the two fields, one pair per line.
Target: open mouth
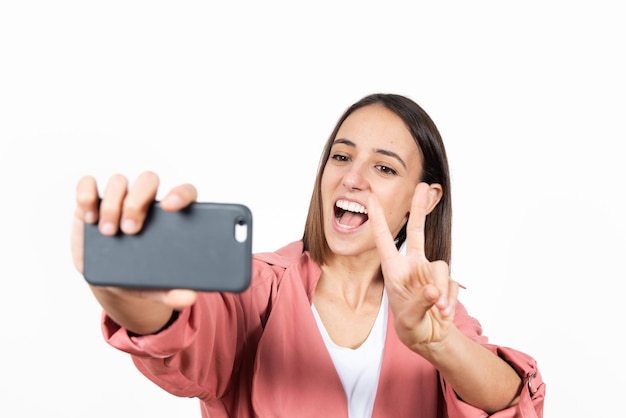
350,214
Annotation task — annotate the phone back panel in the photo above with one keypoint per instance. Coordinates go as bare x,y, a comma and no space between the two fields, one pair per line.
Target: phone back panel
205,247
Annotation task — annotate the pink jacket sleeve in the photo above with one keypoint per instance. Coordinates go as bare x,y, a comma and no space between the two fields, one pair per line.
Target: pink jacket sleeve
531,399
209,348
533,391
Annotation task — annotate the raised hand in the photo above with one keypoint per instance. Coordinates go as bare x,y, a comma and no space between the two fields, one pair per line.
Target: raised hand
123,208
421,294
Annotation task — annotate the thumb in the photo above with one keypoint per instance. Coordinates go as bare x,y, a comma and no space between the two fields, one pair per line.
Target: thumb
180,299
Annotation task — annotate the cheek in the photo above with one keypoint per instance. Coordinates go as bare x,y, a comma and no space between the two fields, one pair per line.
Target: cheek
324,186
330,180
327,188
397,207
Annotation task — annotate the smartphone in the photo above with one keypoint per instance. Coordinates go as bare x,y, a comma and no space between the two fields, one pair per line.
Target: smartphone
205,247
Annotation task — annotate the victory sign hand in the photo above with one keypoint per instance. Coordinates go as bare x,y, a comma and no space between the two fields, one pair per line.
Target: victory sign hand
421,294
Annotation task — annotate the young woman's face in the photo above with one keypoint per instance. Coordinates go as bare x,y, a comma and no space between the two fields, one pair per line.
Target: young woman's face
373,152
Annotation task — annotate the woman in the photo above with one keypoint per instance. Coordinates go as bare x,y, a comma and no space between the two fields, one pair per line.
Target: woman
341,323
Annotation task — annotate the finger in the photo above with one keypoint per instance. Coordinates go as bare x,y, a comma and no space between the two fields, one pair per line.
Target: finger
87,199
177,299
137,202
429,296
417,220
180,299
77,240
179,197
440,278
111,204
380,229
86,211
453,293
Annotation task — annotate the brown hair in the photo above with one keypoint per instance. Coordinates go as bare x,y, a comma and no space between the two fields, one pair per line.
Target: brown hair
438,228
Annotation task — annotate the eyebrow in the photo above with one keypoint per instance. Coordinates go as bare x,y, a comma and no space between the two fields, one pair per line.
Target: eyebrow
376,150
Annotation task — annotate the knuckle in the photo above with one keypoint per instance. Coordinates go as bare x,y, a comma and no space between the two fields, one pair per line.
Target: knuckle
132,208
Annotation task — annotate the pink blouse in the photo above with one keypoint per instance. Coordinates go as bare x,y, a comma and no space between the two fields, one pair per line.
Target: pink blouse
260,354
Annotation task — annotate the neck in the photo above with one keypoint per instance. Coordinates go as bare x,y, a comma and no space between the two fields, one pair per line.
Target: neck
356,288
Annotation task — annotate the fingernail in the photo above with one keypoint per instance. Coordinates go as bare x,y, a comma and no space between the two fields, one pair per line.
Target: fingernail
443,301
129,226
172,200
90,217
107,228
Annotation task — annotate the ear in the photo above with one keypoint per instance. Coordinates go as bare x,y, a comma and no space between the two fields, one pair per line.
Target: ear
435,193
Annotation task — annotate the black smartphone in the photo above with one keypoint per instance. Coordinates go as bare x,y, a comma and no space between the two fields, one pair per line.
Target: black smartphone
206,247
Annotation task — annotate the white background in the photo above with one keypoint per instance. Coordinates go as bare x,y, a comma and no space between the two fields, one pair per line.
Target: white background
239,97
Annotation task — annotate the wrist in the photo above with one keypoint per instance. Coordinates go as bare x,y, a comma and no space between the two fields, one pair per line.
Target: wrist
439,350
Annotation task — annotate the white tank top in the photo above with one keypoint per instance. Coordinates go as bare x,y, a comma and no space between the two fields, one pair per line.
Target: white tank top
359,368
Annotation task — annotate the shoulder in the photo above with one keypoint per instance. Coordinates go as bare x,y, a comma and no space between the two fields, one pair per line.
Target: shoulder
290,261
283,257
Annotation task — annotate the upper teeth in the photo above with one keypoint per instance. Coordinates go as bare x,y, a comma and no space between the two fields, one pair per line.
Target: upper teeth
351,206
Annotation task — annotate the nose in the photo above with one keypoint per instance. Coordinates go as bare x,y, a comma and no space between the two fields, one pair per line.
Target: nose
354,178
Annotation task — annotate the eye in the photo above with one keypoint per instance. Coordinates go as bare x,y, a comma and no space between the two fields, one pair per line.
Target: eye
386,170
339,157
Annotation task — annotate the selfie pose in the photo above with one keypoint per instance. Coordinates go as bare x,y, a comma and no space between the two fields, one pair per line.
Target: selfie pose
359,318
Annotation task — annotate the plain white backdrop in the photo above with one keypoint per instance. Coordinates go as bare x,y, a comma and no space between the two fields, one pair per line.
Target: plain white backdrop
238,98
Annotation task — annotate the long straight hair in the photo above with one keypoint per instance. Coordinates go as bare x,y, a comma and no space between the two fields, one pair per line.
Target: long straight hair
438,227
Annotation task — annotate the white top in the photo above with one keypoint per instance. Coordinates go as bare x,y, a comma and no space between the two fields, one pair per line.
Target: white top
359,368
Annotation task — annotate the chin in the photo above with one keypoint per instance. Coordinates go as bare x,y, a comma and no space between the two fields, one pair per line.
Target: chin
348,246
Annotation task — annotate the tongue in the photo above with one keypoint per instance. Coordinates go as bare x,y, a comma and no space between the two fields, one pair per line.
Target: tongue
352,219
